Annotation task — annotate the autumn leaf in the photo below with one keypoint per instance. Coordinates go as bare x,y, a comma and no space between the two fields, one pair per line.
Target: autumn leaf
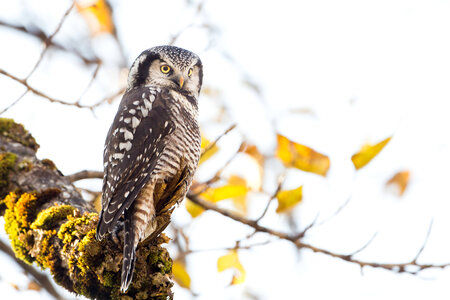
240,201
235,187
258,158
400,181
193,209
253,152
34,286
207,150
288,199
98,16
231,261
367,153
180,274
301,157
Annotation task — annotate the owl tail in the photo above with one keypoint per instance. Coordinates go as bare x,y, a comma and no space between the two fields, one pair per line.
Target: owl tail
129,254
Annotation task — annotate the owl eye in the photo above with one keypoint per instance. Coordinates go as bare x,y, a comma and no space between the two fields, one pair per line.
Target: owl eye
190,72
165,69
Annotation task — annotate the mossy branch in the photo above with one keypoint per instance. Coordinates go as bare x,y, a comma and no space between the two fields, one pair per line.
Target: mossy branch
50,225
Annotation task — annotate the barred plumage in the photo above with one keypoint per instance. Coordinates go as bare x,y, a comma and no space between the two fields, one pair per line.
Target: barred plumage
152,148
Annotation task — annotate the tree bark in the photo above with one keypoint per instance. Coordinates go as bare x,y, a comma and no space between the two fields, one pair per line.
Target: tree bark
50,224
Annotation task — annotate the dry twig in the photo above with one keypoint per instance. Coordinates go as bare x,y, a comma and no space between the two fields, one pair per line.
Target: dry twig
395,267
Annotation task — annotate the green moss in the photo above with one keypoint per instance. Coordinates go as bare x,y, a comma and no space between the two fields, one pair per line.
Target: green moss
7,162
52,216
17,133
159,261
110,279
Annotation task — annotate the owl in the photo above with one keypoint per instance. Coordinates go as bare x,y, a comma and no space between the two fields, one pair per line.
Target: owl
152,148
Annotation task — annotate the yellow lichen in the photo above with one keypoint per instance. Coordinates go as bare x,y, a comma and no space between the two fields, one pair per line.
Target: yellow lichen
24,209
14,232
76,227
50,217
45,257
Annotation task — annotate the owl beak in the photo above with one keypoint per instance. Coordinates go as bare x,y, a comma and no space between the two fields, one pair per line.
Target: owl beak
181,82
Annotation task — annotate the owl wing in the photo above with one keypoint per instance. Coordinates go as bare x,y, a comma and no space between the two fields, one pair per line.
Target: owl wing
134,143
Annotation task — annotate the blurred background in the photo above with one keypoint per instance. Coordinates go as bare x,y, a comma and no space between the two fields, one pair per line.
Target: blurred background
326,120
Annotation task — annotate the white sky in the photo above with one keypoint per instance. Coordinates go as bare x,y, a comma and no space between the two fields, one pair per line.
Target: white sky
364,70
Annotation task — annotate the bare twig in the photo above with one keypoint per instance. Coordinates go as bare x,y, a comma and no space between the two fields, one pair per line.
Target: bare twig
395,267
85,174
365,245
107,99
212,144
94,75
37,33
15,102
277,190
424,243
39,93
340,208
307,228
39,277
48,40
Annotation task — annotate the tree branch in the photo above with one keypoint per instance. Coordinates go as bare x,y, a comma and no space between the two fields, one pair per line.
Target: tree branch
85,174
39,277
49,224
396,267
39,93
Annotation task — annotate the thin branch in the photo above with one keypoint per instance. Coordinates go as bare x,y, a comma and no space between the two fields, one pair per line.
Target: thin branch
340,208
280,183
39,277
39,93
395,267
212,144
365,245
14,103
85,174
307,228
424,243
40,35
94,75
48,40
107,99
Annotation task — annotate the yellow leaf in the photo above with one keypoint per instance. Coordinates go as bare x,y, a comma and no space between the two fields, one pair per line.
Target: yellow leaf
240,202
253,152
301,157
193,209
231,261
98,16
400,180
367,153
258,158
207,151
288,199
231,190
180,274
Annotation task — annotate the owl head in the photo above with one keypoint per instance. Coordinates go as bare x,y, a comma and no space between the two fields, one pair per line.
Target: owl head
167,66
